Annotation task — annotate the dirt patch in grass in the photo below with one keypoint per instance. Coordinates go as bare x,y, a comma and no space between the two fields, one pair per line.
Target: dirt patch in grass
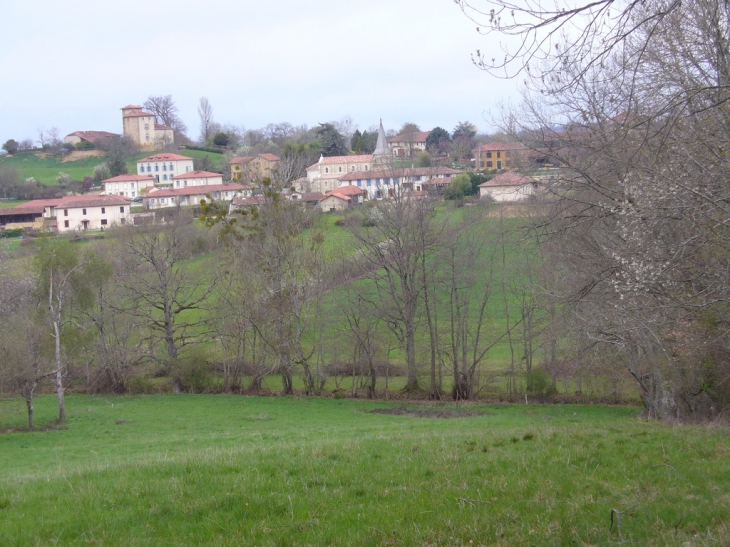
429,412
83,154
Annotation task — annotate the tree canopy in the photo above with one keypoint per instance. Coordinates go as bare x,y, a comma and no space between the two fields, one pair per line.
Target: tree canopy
331,141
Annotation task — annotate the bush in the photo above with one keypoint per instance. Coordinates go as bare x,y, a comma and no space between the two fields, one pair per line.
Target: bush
15,232
195,374
84,145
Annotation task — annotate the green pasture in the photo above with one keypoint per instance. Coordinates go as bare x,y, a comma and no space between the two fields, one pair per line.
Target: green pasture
228,470
46,169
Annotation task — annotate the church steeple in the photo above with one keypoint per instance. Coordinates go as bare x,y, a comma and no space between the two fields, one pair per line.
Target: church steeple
382,151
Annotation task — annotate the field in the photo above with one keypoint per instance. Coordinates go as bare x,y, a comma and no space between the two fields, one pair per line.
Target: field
45,168
227,470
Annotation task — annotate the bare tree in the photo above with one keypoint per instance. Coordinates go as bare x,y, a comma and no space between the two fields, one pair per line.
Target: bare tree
165,110
169,295
205,112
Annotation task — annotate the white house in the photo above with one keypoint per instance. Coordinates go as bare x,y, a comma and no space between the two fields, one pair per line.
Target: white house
165,166
88,212
508,186
389,182
197,178
127,185
192,195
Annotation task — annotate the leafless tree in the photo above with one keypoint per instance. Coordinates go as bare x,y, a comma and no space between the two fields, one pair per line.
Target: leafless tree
642,212
164,290
205,112
165,110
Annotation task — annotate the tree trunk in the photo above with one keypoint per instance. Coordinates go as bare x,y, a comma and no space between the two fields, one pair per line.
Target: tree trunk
59,374
29,404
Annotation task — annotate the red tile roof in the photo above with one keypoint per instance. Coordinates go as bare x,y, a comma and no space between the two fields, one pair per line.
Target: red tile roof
269,157
419,137
197,190
336,195
197,175
74,202
164,157
494,146
93,136
127,178
23,209
241,160
362,158
349,191
161,126
134,111
396,173
510,178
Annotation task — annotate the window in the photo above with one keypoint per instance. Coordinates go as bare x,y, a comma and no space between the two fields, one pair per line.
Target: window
103,222
489,154
164,177
352,168
340,168
187,168
146,127
149,168
366,168
121,209
65,223
65,212
489,164
164,167
171,169
157,167
103,210
326,169
499,154
83,211
146,137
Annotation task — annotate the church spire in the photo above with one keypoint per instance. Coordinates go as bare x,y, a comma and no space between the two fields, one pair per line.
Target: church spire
381,147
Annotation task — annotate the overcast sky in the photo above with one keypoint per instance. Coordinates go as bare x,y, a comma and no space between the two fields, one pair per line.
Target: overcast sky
72,64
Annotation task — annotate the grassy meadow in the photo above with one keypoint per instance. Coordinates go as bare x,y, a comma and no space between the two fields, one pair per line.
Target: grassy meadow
231,470
45,168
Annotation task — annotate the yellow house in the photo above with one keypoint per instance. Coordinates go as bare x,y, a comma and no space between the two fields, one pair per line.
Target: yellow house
142,128
253,168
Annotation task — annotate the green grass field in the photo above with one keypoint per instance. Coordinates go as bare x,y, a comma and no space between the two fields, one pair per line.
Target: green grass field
45,169
227,470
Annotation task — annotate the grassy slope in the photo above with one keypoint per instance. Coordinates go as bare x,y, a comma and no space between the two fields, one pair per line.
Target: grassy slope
223,470
47,169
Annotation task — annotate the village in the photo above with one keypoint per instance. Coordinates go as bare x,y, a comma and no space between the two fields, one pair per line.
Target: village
167,178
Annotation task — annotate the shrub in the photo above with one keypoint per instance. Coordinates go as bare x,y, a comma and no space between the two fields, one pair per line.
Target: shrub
15,232
84,145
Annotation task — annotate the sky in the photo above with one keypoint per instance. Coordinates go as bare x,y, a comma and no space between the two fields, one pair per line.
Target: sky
73,64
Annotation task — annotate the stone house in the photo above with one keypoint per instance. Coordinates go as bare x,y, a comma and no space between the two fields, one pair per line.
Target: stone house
142,128
253,168
406,145
509,186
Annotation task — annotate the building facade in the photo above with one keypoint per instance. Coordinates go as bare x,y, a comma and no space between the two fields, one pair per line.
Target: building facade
127,185
163,167
142,128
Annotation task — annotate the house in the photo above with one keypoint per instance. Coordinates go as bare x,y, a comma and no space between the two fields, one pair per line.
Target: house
127,185
308,198
323,175
357,195
334,201
197,178
502,155
389,182
95,138
509,186
406,145
87,212
239,203
192,195
164,166
142,128
254,168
